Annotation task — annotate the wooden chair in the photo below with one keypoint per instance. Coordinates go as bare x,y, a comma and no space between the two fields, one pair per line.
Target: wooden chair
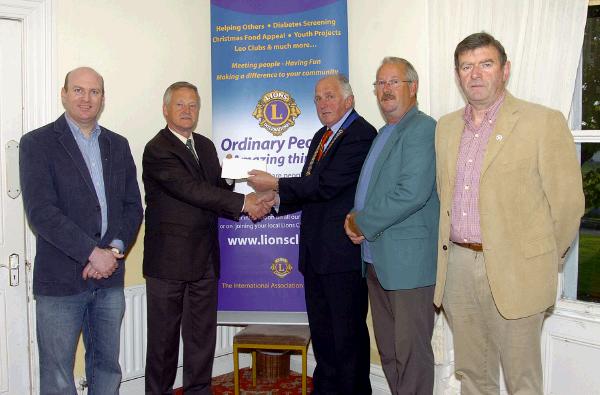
269,337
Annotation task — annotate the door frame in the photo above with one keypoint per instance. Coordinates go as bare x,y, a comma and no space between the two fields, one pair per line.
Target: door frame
39,87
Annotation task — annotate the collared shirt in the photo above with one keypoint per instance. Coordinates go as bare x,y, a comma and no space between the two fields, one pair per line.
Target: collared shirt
367,172
336,127
184,140
90,149
465,226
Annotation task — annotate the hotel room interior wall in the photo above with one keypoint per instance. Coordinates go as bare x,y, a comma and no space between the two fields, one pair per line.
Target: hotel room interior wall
386,28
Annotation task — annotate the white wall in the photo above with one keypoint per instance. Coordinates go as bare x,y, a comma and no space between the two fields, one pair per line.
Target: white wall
140,47
386,28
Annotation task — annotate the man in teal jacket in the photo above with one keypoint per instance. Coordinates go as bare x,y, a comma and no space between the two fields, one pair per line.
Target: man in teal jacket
395,219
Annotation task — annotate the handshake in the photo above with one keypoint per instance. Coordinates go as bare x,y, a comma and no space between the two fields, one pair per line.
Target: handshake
258,204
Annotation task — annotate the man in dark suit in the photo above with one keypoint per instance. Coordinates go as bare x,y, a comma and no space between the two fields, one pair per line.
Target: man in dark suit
185,195
82,200
335,292
395,220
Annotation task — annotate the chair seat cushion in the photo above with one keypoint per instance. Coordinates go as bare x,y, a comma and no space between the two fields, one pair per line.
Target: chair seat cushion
294,335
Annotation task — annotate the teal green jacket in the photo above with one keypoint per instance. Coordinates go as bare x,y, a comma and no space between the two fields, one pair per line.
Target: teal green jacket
400,217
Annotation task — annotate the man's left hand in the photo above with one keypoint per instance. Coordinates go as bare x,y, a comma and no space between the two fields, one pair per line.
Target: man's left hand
90,272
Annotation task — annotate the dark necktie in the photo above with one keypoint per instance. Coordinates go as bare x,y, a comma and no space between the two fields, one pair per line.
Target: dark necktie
189,145
324,140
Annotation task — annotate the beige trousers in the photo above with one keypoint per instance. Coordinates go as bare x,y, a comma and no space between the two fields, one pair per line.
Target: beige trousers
483,339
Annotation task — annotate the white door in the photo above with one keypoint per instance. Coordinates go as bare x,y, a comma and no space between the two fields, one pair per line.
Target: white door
14,326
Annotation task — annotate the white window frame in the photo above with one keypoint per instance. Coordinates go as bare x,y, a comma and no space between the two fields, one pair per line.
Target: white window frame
589,311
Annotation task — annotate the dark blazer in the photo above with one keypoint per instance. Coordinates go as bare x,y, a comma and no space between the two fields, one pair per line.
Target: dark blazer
63,209
184,199
326,196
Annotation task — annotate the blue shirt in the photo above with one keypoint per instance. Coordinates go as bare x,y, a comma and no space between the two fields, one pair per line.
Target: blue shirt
90,150
365,178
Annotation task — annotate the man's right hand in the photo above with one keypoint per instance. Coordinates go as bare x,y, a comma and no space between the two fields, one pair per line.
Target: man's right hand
258,204
262,181
352,230
102,263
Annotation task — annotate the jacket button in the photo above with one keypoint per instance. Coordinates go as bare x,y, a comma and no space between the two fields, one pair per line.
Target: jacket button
444,247
97,235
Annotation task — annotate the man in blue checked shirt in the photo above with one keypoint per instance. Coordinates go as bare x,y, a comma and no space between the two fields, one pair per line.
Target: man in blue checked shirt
82,200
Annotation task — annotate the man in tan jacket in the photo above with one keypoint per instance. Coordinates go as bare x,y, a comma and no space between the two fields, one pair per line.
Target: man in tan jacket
511,200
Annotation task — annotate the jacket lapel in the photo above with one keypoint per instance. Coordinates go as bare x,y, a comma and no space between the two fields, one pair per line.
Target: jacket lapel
314,144
327,154
66,139
104,143
183,152
201,152
505,124
453,134
395,135
338,135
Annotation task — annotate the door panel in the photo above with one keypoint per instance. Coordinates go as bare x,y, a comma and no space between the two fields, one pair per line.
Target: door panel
14,326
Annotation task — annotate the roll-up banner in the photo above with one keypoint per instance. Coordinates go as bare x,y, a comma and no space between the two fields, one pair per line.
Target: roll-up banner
267,56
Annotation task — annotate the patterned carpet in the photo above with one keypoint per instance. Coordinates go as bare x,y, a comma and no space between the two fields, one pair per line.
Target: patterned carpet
291,385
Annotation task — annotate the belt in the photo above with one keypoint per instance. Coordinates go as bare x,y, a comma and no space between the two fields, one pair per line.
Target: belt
471,246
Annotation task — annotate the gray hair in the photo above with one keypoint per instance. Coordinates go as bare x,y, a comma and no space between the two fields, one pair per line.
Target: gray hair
411,73
179,85
344,84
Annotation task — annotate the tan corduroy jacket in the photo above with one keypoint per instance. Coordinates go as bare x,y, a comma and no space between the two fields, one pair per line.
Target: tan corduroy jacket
530,203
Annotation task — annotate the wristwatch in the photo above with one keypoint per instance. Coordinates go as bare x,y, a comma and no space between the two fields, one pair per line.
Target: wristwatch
115,250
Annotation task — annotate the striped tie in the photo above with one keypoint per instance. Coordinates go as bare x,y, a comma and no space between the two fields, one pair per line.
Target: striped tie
189,145
324,140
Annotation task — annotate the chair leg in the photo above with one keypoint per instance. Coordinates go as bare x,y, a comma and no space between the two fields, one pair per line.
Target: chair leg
254,368
304,371
236,371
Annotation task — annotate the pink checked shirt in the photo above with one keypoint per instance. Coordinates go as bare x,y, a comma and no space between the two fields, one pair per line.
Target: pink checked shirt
465,226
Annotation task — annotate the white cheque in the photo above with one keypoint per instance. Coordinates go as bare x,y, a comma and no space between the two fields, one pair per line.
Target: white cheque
238,168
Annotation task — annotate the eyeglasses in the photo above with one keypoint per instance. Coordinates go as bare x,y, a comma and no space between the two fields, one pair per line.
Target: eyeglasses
393,83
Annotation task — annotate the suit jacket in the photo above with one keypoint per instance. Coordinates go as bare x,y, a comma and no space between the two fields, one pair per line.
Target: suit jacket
63,209
400,216
183,200
530,203
325,197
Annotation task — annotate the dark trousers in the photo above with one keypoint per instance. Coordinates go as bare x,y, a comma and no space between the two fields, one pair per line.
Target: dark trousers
189,308
337,310
403,324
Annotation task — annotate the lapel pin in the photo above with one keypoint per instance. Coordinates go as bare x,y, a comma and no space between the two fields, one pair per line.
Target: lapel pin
499,137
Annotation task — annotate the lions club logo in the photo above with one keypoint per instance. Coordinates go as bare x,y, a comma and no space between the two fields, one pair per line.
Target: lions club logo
276,111
281,267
